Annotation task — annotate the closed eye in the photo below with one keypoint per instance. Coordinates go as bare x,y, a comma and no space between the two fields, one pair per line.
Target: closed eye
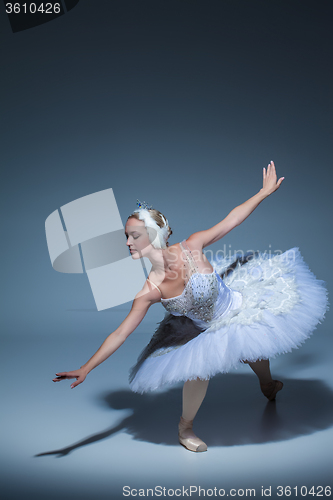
135,235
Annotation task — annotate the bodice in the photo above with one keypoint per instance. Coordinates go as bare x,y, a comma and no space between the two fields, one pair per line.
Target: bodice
205,296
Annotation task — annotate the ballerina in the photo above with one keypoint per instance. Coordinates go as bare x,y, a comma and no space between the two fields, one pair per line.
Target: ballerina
242,310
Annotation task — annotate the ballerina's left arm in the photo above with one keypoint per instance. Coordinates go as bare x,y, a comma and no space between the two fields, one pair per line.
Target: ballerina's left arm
240,213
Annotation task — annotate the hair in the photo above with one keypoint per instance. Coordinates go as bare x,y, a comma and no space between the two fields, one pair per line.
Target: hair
158,218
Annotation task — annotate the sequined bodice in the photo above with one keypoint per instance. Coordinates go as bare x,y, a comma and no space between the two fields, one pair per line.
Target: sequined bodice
205,296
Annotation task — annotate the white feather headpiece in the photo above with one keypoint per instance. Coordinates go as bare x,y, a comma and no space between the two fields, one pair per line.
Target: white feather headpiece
157,235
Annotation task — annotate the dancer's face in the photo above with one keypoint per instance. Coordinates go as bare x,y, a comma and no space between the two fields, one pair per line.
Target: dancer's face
137,238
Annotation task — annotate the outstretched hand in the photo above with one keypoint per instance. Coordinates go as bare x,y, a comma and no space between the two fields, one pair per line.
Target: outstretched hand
270,183
80,376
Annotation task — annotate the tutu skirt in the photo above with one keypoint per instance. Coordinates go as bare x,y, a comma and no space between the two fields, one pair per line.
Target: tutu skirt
277,302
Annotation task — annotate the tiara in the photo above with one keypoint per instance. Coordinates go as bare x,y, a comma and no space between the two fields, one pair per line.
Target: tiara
143,205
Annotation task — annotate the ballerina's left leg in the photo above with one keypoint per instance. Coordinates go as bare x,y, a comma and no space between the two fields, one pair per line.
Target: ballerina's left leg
268,386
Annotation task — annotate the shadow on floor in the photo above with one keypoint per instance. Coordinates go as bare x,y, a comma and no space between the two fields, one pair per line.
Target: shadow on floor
234,412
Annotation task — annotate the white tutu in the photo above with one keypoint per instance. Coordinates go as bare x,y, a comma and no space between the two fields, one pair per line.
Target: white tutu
276,304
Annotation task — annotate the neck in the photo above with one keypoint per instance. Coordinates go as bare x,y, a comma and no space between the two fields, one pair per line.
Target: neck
161,259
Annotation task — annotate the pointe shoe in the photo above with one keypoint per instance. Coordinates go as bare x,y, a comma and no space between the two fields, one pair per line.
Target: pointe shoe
187,437
269,390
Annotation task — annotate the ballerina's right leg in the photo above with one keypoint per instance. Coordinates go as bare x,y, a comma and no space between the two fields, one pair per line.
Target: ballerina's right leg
194,392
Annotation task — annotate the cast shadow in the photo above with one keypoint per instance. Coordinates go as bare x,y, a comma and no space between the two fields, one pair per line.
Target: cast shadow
234,412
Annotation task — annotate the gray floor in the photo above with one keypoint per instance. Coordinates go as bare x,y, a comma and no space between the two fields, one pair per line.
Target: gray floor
92,441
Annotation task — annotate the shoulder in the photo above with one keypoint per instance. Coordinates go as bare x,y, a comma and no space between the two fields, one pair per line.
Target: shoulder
195,241
174,248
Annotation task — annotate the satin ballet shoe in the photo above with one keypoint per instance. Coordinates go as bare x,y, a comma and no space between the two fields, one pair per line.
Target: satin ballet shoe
187,438
269,390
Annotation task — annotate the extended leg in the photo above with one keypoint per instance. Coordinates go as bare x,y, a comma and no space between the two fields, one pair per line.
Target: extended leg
269,387
194,392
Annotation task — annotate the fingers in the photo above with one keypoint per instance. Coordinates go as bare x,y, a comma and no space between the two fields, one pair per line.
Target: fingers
64,376
67,375
79,380
270,182
271,172
269,175
271,167
74,384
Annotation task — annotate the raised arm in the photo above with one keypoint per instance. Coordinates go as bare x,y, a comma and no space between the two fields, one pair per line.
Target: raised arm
205,238
140,306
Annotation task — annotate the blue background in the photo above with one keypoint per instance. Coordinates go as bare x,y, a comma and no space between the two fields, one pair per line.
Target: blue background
180,103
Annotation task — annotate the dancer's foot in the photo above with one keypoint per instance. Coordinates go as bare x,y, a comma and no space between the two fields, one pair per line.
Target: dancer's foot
187,437
269,390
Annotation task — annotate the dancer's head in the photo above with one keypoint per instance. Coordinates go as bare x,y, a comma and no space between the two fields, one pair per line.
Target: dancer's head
146,227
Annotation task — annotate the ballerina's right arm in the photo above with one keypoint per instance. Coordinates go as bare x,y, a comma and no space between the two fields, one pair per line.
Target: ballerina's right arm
143,300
